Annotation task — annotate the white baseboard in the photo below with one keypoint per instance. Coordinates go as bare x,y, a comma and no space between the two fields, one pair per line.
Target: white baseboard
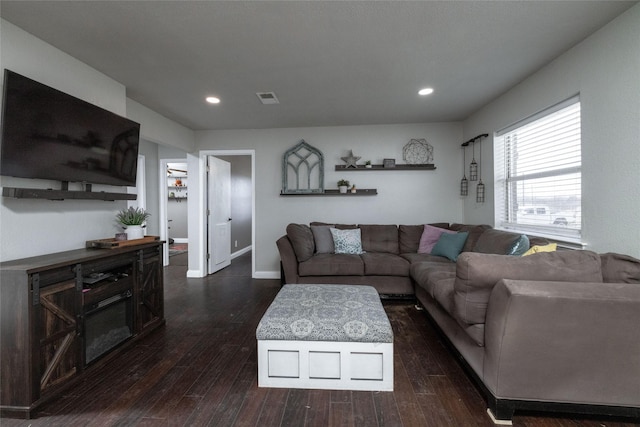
195,274
266,275
180,240
499,422
242,251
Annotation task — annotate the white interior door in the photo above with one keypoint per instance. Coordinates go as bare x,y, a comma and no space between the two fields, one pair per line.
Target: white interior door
219,214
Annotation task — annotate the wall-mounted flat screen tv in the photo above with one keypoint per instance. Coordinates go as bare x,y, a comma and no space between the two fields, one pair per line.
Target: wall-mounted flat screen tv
48,134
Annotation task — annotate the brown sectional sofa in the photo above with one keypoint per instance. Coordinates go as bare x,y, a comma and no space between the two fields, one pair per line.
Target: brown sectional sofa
552,331
390,250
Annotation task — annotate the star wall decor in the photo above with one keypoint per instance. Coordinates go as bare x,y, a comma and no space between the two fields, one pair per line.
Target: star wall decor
351,160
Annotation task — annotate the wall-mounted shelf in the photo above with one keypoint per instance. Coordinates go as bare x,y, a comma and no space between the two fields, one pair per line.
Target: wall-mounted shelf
359,192
36,193
427,167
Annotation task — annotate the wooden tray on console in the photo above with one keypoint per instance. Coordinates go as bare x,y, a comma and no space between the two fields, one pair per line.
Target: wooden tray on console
113,243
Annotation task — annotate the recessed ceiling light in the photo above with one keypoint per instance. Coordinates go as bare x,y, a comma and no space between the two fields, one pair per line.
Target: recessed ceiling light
213,100
425,91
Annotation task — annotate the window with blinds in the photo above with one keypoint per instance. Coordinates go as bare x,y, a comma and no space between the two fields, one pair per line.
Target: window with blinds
538,177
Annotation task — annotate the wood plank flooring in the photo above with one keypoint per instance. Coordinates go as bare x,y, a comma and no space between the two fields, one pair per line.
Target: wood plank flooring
201,370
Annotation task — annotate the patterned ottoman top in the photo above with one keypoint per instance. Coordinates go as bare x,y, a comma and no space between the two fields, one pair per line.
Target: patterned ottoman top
326,313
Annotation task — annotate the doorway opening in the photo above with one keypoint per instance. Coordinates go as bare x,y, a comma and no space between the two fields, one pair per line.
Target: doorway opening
241,228
174,193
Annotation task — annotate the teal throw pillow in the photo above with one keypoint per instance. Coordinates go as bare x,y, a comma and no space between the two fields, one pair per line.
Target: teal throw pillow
520,246
450,245
347,241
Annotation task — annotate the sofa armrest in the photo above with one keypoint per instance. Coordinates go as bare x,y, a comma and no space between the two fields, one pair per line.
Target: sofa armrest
564,342
288,260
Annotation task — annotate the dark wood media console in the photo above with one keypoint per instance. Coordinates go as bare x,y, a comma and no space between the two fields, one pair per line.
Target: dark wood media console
67,313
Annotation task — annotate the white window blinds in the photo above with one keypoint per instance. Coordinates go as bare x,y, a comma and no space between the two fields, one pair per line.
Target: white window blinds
538,174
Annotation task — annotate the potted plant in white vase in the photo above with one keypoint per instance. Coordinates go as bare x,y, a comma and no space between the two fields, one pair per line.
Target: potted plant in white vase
343,186
132,220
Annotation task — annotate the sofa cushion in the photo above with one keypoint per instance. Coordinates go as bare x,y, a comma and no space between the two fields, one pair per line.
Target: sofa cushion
409,236
475,231
617,268
476,332
332,265
301,239
429,238
413,258
381,264
380,238
498,242
477,274
428,275
450,245
323,239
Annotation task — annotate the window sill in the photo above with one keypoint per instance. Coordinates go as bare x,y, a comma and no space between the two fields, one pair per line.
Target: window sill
562,241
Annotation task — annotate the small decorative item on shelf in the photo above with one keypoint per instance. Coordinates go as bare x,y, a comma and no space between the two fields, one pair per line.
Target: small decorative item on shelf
389,163
367,164
353,188
351,160
132,220
178,183
418,152
343,186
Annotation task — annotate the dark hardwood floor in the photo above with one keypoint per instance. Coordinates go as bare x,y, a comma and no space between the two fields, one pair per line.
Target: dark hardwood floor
201,370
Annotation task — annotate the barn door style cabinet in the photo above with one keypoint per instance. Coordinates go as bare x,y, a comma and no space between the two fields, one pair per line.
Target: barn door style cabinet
67,313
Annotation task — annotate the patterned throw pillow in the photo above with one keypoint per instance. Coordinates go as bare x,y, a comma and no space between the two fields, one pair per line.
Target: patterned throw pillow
347,241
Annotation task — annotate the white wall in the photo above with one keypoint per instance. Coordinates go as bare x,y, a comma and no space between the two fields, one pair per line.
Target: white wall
605,70
159,129
405,197
34,227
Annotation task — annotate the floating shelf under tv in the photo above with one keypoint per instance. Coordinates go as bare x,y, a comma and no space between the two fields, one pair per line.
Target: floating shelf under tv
46,194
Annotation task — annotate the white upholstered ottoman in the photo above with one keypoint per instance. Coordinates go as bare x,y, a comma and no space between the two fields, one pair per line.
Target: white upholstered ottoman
326,337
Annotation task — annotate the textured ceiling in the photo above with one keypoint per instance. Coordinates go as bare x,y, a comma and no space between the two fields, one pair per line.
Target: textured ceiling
329,63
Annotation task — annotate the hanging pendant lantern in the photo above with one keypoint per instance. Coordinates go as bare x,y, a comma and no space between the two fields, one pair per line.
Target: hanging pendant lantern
480,192
473,166
464,183
464,186
480,186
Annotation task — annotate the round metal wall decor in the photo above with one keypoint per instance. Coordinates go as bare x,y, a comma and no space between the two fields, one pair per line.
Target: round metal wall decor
417,152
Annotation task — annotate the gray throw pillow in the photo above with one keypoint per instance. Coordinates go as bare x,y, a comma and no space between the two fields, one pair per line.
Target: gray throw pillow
323,238
302,241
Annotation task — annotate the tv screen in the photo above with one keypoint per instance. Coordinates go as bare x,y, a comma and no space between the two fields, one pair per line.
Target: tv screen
48,134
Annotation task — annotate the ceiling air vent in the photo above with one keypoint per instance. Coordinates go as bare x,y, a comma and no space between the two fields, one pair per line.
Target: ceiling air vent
267,98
